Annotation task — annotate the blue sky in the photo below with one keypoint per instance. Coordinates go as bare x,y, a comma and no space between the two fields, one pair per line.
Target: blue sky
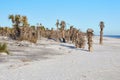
83,14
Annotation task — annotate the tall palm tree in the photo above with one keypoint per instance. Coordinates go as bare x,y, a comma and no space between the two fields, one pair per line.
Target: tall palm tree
71,33
12,18
101,32
16,20
24,21
63,24
57,24
17,25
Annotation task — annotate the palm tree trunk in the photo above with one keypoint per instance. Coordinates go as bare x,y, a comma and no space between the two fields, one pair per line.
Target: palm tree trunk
101,36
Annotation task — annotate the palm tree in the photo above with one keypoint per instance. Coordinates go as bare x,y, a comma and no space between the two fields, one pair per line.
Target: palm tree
16,20
90,41
101,32
57,24
71,33
17,25
63,24
41,30
24,21
12,18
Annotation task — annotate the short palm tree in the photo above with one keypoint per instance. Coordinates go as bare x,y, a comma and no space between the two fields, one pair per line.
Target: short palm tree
90,41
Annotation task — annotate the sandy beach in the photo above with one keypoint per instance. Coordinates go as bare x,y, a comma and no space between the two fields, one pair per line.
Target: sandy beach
50,60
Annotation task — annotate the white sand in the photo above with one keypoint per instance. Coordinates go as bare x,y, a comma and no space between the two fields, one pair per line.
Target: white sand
49,60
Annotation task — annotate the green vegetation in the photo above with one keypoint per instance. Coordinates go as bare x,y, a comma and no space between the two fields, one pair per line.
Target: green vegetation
3,48
21,30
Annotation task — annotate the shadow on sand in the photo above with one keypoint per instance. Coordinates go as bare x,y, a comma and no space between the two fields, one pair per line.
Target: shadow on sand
68,46
73,47
29,55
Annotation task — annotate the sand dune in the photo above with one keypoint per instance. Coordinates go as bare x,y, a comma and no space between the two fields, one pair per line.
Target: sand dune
50,60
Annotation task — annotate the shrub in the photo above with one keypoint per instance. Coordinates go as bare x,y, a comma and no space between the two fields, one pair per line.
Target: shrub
3,48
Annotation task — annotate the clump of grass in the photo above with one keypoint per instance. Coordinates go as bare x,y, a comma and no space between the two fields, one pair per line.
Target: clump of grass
3,48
